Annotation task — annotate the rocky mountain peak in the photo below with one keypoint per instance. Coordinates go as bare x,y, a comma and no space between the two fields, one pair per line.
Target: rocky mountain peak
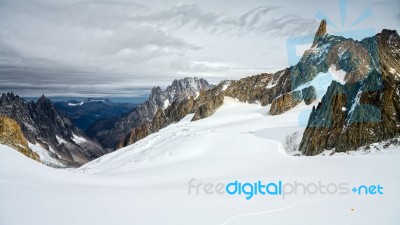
387,32
185,88
156,95
9,96
320,32
44,102
42,124
4,99
42,98
179,90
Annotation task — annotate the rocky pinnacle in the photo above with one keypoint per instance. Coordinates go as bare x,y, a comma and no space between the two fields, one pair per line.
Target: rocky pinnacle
320,32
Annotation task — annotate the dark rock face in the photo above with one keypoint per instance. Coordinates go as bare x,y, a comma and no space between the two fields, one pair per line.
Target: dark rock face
289,100
11,135
42,124
84,114
308,95
366,108
113,132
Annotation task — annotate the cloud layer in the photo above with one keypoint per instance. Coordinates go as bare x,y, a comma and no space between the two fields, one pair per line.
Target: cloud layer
123,48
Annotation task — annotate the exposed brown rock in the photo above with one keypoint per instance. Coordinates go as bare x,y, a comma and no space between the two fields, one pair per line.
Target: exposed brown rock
320,32
357,54
285,102
262,88
135,135
11,135
289,100
176,112
207,107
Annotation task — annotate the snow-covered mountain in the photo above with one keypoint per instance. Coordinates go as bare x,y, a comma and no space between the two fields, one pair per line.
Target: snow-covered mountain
50,134
111,132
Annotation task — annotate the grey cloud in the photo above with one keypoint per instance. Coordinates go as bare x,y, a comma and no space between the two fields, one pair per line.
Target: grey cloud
35,83
84,47
117,47
256,21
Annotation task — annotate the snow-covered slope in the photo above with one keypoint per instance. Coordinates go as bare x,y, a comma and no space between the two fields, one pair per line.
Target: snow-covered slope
147,183
236,128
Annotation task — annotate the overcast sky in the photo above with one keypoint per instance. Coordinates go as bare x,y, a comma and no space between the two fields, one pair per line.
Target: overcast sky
125,47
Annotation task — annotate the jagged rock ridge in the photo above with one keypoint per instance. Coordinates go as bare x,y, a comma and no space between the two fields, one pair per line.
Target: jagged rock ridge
42,124
364,110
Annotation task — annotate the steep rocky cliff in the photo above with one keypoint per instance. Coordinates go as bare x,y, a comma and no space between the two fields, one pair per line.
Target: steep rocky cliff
11,135
291,99
42,124
321,32
364,110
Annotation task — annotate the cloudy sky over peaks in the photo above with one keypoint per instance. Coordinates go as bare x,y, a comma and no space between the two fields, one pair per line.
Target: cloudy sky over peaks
125,47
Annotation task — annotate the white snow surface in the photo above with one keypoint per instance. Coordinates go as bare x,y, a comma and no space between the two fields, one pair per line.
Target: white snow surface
322,81
61,140
147,182
75,104
78,139
44,156
83,102
166,104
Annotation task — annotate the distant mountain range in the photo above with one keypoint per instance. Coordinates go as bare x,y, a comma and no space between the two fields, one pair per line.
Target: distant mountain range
84,113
